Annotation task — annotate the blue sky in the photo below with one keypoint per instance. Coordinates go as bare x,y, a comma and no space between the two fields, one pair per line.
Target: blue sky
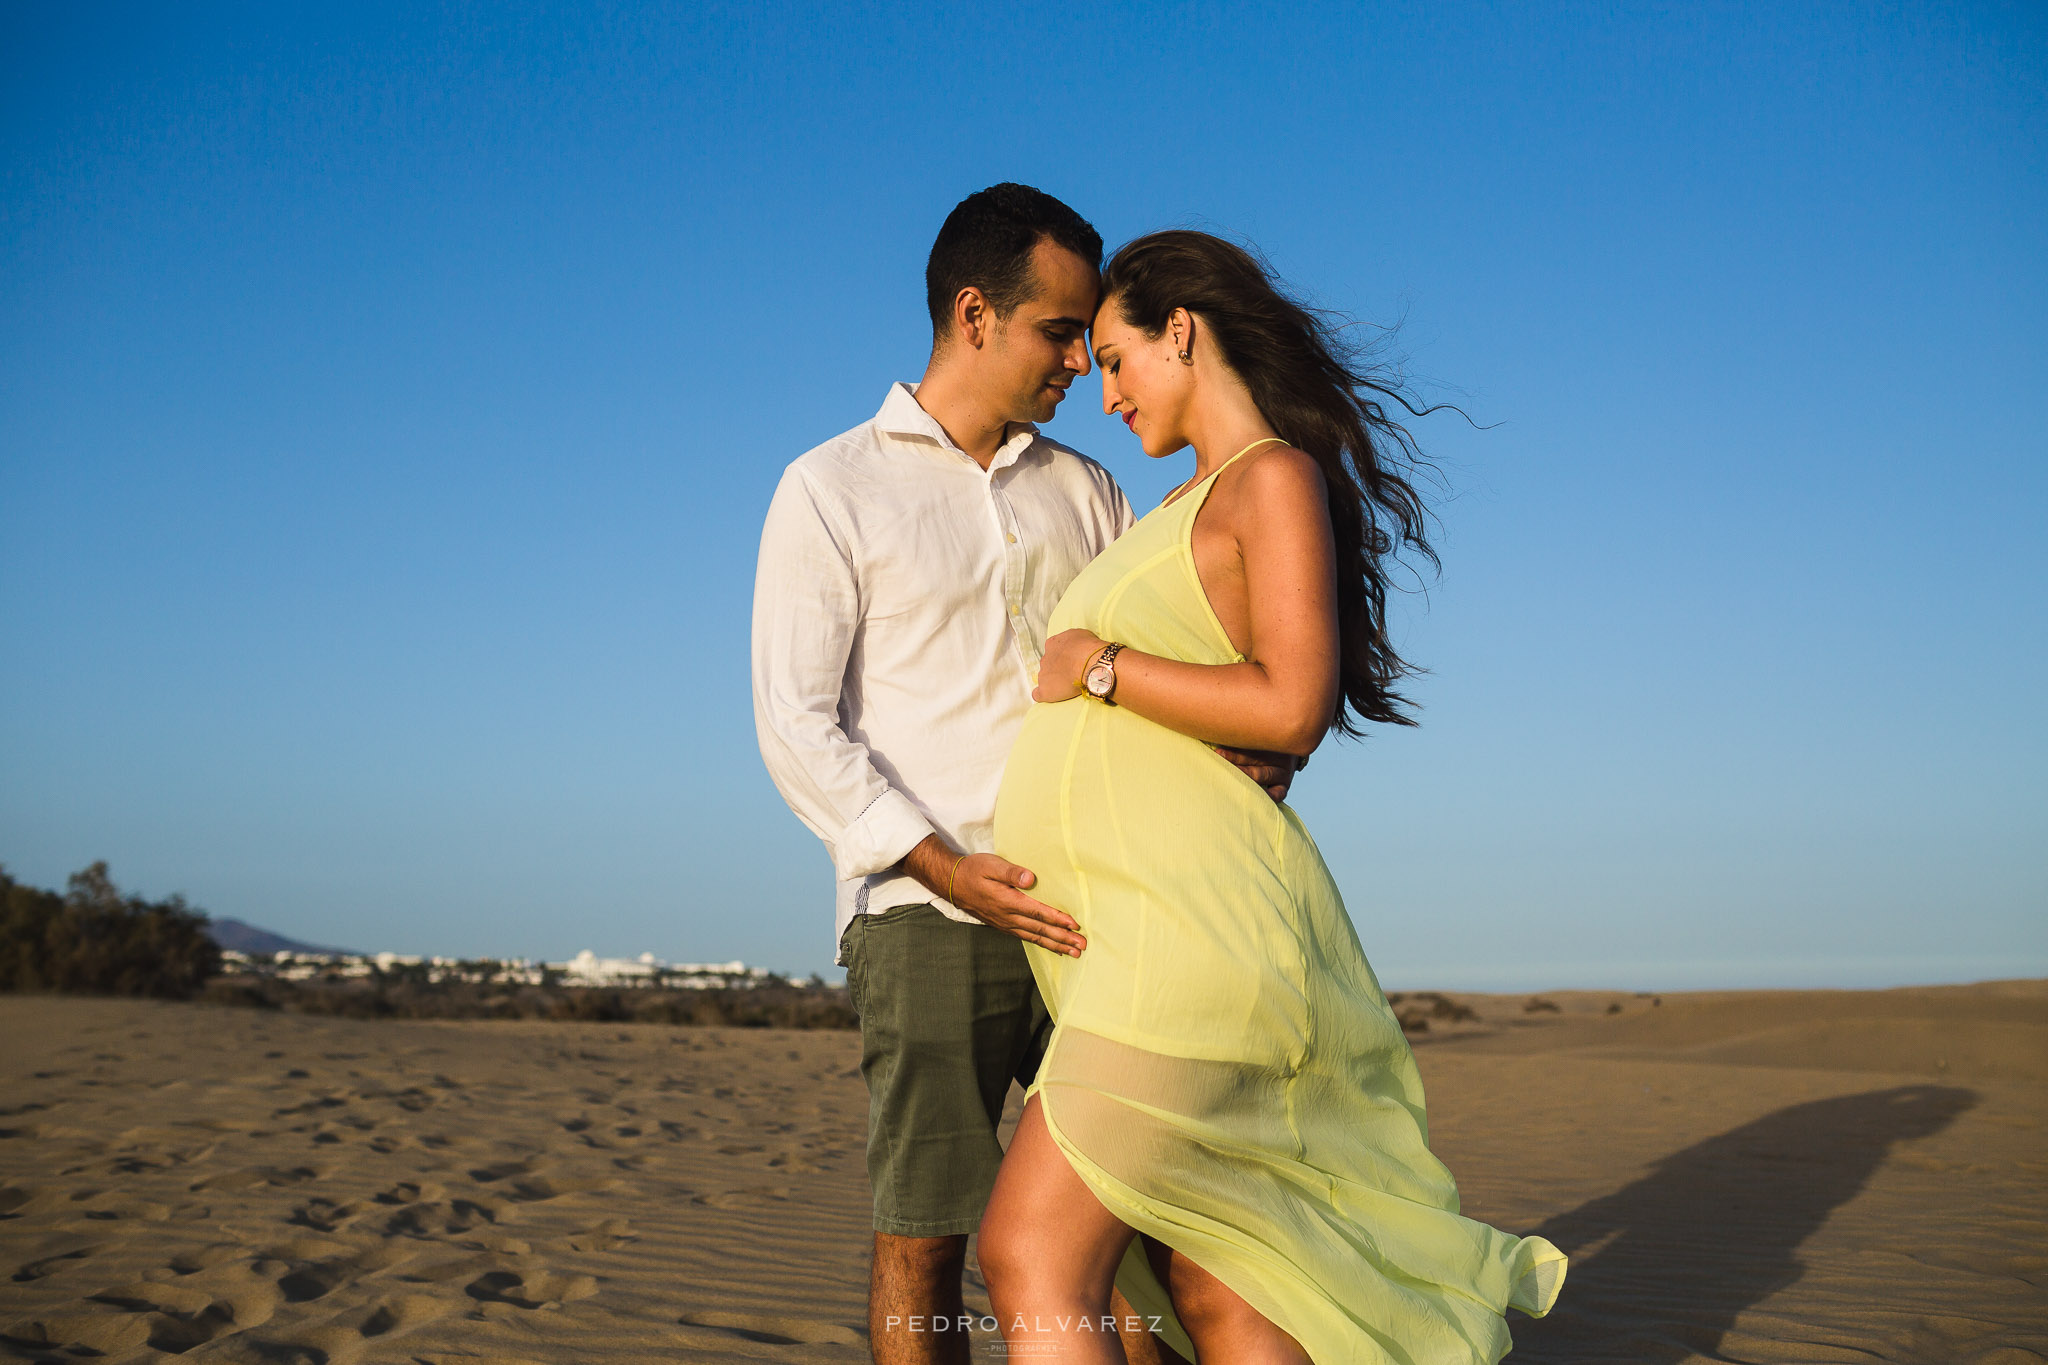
389,399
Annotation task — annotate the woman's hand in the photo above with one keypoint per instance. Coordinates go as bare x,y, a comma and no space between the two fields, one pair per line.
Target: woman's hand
1067,655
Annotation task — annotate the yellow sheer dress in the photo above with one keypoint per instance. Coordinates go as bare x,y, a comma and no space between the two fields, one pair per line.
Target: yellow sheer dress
1225,1073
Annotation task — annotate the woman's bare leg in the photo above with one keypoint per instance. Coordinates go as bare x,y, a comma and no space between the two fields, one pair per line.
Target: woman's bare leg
1220,1323
1049,1252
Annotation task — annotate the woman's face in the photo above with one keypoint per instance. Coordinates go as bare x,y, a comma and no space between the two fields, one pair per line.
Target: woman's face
1143,380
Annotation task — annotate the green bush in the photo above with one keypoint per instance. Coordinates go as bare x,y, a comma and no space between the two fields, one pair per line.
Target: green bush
391,995
93,939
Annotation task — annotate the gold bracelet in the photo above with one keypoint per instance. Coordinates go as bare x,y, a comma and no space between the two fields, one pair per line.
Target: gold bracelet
953,874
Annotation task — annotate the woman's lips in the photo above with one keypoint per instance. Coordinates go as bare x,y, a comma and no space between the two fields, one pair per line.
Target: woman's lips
1131,420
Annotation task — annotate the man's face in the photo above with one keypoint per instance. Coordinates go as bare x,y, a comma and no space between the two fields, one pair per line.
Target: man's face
1042,346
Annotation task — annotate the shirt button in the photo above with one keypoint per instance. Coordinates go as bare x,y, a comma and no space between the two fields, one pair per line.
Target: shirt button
1011,538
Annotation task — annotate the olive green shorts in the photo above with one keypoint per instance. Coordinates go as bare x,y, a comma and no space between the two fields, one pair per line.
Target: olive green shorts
949,1016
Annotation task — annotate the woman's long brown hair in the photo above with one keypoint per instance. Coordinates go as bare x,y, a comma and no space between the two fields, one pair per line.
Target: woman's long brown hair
1322,398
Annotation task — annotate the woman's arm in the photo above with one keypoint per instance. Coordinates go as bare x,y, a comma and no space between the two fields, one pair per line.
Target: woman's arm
1284,698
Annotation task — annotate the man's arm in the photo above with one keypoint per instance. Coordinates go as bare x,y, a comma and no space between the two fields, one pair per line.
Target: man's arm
806,608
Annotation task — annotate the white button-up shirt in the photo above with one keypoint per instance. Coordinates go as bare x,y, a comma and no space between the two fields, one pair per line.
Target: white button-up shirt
899,613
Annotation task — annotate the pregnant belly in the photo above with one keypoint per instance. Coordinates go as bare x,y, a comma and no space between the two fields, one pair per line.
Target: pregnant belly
1184,876
1116,792
1029,804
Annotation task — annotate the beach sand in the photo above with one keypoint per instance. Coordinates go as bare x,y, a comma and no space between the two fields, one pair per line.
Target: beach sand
1755,1176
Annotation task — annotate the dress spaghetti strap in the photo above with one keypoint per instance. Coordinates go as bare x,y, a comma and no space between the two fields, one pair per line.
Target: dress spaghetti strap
1177,494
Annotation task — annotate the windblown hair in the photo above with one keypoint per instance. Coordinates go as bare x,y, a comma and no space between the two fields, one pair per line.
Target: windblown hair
987,241
1321,396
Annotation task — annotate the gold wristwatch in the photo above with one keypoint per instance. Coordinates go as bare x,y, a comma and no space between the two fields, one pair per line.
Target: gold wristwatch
1100,679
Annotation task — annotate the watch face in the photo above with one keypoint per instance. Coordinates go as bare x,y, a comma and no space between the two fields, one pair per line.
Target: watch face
1100,678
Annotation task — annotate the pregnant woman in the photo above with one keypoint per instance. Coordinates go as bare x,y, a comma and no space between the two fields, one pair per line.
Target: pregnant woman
1228,1125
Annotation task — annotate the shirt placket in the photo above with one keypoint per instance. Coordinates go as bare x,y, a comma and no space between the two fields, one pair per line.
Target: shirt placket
1028,646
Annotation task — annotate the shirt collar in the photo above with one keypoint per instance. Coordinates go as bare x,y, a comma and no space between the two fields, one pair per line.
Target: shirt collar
904,417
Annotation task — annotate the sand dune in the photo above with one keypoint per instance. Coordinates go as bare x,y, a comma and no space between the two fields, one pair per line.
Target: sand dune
1777,1176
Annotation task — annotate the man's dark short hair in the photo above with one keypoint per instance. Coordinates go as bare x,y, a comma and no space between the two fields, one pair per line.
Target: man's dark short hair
987,243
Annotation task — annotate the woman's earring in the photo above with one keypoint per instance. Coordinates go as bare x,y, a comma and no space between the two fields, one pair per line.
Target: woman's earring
1185,357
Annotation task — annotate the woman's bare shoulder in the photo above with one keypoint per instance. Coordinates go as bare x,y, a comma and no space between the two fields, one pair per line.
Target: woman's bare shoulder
1279,480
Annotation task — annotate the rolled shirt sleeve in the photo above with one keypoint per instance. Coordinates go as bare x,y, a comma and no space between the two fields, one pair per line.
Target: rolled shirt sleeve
806,610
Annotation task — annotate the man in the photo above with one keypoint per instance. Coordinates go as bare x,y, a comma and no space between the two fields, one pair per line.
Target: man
907,571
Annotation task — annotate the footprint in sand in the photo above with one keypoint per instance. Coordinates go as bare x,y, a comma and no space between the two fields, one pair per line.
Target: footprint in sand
317,1280
325,1215
461,1268
176,1318
150,1296
226,1126
251,1176
412,1099
50,1265
436,1218
775,1330
530,1288
109,1209
740,1198
538,1189
411,1192
78,1333
612,1232
205,1258
327,1344
504,1170
402,1313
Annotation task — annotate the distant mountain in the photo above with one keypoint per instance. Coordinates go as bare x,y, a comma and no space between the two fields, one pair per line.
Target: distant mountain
236,937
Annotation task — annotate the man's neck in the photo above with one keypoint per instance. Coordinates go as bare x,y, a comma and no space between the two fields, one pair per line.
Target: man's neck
973,425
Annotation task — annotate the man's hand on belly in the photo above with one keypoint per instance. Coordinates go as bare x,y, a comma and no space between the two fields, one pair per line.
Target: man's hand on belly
1274,772
992,890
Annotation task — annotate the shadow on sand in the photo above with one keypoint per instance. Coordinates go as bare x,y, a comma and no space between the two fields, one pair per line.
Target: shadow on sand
1672,1259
